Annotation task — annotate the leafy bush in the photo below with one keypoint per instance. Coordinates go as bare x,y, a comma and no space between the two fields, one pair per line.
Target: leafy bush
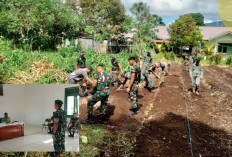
170,56
200,56
229,60
216,58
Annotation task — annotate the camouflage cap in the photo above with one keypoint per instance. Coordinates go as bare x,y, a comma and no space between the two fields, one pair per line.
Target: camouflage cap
59,102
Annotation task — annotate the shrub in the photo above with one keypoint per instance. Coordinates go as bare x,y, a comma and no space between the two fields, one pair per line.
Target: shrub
216,58
170,55
229,60
200,56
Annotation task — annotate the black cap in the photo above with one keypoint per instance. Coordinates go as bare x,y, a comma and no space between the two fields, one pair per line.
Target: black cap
131,58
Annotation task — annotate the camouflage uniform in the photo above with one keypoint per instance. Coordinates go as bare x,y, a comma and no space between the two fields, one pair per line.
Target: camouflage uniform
162,70
73,122
128,76
50,125
102,93
147,62
133,94
59,140
115,71
81,62
196,73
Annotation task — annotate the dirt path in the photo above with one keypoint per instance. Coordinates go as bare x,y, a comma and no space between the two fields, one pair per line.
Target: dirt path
160,128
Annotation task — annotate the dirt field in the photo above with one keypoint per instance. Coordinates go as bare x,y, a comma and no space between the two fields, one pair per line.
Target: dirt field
161,127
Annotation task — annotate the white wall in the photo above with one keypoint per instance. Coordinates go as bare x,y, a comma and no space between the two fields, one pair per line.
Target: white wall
31,104
13,102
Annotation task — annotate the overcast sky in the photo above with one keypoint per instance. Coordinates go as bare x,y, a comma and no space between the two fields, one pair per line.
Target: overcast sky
170,10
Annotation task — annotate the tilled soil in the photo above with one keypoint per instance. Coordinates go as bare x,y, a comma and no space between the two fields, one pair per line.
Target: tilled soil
161,127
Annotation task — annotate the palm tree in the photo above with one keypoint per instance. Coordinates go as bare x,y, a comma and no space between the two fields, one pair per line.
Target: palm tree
208,49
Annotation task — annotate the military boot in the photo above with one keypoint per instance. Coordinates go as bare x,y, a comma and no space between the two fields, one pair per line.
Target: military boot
133,111
151,90
102,119
89,120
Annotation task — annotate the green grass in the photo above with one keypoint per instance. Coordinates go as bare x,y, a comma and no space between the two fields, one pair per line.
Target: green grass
95,136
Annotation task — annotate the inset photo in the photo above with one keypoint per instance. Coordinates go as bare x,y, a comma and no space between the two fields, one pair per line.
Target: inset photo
39,118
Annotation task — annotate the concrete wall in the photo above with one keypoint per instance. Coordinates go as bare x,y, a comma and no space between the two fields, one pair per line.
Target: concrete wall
13,102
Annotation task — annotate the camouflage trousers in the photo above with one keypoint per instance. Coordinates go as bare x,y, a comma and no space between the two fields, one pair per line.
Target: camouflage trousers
94,99
133,95
148,80
196,81
59,141
114,77
161,76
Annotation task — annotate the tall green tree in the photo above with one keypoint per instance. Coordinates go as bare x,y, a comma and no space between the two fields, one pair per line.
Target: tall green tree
39,24
101,18
184,32
144,31
158,20
198,18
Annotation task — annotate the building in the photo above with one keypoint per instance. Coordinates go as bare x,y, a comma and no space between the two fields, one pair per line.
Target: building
221,36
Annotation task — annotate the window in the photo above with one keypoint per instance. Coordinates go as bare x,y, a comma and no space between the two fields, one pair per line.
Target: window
71,101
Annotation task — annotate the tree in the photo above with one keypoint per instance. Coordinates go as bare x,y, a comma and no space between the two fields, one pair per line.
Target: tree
141,12
208,49
198,18
101,18
184,32
144,26
158,19
37,24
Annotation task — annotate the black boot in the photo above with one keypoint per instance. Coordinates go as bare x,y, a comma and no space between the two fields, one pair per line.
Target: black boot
102,119
133,111
151,90
89,120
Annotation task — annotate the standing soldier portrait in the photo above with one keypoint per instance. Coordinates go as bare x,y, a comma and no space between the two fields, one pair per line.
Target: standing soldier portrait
134,85
59,127
101,92
72,125
81,61
116,69
196,74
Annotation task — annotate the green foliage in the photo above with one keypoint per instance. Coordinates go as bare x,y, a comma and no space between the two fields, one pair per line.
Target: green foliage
184,32
198,18
144,26
200,56
101,19
229,60
208,49
158,20
216,58
170,56
37,24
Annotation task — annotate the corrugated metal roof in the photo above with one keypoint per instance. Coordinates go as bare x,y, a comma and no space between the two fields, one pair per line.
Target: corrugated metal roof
207,32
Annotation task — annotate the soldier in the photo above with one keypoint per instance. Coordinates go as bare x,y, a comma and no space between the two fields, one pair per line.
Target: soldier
127,76
147,60
162,71
101,93
50,125
196,74
116,67
72,125
81,75
6,118
81,61
59,127
147,75
134,85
